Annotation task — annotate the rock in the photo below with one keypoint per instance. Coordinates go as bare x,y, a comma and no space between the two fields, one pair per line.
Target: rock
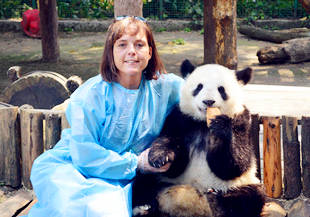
272,209
301,208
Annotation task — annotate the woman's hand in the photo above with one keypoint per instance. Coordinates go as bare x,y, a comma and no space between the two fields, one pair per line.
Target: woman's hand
145,167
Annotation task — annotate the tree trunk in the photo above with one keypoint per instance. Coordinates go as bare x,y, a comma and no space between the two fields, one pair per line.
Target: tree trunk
305,4
293,51
49,30
273,36
128,7
220,32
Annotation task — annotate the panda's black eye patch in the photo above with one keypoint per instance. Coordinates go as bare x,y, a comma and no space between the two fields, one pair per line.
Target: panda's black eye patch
222,91
198,89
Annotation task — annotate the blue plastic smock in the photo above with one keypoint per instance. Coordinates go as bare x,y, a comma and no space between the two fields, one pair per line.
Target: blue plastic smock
90,170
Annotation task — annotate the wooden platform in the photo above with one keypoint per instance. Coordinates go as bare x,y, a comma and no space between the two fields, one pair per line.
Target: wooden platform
275,100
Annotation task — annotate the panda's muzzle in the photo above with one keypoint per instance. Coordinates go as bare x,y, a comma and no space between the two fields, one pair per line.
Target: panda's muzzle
208,103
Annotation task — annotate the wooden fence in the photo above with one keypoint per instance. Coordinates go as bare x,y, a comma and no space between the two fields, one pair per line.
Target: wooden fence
26,133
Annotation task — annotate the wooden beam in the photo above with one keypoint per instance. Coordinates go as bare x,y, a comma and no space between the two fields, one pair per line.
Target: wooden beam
305,149
272,157
291,158
31,141
10,168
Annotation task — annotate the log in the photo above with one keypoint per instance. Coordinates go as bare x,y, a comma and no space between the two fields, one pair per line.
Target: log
10,170
293,51
31,140
305,148
41,89
254,139
277,36
298,50
272,54
52,130
291,158
272,157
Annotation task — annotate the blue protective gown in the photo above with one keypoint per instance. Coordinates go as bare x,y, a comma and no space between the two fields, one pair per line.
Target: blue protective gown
90,170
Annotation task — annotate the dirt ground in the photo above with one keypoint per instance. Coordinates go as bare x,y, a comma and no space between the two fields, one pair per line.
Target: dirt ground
81,54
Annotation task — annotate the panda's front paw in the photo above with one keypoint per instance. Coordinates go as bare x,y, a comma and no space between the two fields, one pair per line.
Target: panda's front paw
160,154
221,125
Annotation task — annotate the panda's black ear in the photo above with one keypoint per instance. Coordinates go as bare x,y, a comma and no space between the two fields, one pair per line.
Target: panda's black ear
186,68
245,75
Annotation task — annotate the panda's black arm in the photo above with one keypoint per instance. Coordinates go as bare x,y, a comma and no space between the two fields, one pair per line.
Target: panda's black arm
229,151
170,146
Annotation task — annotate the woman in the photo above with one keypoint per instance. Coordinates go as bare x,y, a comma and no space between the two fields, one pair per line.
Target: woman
113,117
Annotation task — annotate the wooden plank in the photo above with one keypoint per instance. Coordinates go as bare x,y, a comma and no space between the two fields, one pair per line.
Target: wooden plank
305,148
52,130
31,141
64,122
254,139
291,158
9,207
10,173
27,209
272,156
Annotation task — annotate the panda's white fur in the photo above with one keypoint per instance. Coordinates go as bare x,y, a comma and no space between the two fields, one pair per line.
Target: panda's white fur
211,76
199,175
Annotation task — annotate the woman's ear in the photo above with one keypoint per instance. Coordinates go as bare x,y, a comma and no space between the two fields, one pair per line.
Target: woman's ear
150,52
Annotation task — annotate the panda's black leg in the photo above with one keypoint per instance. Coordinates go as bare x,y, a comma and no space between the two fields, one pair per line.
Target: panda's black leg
245,201
144,192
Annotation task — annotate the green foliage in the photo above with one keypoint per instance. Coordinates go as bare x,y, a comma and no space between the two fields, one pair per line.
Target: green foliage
192,9
179,41
160,29
187,29
85,8
265,9
12,8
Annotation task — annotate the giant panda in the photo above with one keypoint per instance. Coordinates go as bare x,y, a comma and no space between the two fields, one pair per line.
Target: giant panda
213,168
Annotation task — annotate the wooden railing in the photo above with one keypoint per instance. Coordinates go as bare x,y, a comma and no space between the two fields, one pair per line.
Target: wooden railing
26,133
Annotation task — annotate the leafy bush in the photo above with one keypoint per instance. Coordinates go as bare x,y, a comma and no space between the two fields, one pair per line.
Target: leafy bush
85,8
13,8
192,9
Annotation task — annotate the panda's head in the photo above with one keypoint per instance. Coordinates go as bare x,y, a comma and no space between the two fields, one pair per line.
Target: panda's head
212,85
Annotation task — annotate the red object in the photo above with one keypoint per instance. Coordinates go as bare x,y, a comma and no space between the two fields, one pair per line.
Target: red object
31,23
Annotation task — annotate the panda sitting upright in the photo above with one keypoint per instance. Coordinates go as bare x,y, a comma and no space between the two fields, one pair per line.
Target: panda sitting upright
213,168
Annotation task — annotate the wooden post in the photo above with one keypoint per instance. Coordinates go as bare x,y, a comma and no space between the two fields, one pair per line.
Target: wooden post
31,140
254,139
64,122
49,30
305,147
272,157
52,130
10,168
291,158
128,7
220,32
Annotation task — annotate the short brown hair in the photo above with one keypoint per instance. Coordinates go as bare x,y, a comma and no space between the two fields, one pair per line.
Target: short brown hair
108,70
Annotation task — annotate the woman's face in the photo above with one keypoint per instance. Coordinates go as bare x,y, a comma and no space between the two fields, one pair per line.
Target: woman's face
131,54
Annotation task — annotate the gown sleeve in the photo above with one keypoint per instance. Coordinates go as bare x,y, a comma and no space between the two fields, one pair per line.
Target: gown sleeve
88,156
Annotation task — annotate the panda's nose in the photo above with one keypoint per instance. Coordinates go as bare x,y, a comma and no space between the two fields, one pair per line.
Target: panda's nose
208,102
